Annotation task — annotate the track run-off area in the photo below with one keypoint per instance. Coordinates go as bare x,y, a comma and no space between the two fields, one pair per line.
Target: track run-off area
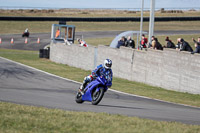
25,85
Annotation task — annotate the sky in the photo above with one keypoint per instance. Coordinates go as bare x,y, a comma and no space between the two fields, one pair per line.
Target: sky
99,3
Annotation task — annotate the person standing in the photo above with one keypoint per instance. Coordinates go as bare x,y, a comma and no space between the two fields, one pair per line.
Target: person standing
156,44
169,44
57,33
143,43
130,43
185,46
198,41
121,42
197,50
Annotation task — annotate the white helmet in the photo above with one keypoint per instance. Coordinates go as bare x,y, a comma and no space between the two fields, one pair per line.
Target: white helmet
107,64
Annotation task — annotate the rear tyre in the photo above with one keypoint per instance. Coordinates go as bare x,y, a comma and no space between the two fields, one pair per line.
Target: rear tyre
97,96
78,98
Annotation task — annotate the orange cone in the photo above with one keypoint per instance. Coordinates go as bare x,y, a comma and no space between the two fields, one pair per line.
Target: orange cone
38,40
12,41
0,41
26,40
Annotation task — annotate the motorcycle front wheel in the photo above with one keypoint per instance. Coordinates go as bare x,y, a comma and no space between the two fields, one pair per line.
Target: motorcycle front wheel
78,98
97,96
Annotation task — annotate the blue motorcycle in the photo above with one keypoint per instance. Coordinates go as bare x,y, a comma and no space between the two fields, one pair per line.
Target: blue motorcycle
94,91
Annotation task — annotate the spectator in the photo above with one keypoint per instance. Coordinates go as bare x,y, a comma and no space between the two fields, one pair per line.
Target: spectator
156,44
143,42
150,43
197,50
82,43
57,33
178,45
130,43
121,42
198,41
185,46
170,44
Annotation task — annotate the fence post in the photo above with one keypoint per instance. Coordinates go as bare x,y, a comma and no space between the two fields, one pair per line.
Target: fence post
95,56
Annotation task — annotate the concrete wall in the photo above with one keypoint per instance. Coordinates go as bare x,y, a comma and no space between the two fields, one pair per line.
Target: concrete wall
170,69
73,55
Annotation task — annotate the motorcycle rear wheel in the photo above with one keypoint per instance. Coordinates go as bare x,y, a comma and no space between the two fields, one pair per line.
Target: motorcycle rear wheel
97,96
78,98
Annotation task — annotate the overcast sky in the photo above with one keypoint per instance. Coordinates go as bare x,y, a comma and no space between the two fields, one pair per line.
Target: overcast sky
99,3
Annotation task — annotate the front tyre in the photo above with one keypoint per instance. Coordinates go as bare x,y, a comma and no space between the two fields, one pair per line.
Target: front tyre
97,96
78,98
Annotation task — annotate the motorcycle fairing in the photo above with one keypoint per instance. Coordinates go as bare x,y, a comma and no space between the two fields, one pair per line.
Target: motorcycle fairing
88,94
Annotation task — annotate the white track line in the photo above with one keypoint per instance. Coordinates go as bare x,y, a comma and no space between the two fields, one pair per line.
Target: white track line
81,83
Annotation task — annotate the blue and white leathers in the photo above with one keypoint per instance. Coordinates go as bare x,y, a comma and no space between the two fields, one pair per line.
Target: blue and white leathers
100,70
95,85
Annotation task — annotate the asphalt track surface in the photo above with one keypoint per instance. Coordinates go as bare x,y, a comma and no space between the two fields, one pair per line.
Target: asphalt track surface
19,41
24,85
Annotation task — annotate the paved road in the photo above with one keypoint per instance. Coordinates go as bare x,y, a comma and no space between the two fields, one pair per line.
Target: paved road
45,38
23,85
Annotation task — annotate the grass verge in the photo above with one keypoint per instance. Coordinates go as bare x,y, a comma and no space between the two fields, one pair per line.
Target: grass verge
39,26
31,58
21,118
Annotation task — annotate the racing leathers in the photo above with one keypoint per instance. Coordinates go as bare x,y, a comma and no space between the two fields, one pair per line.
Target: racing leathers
99,71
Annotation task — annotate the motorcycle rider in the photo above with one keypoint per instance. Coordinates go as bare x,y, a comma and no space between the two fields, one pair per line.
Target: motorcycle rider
102,69
26,30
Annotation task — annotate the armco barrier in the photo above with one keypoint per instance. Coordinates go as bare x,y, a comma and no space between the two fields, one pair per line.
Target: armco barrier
169,69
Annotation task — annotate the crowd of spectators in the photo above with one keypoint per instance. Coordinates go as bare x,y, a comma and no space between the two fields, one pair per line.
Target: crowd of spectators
126,42
181,45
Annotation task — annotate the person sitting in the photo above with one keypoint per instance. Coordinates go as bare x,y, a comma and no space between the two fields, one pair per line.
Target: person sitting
197,50
156,45
169,44
185,46
143,43
82,43
121,42
130,43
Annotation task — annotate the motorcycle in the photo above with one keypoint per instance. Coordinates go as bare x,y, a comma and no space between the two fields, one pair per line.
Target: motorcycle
94,91
25,34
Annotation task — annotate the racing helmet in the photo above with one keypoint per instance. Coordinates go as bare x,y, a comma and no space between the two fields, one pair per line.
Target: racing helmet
107,64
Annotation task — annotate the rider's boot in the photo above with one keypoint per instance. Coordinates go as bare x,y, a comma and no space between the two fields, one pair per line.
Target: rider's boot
85,81
82,87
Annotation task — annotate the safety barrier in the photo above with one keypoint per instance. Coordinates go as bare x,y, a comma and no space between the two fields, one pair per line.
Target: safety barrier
170,69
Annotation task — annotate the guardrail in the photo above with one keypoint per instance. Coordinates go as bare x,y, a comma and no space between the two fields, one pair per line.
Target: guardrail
111,19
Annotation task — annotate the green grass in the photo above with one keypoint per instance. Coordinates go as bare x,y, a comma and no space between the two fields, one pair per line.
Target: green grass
99,41
21,119
31,58
10,27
